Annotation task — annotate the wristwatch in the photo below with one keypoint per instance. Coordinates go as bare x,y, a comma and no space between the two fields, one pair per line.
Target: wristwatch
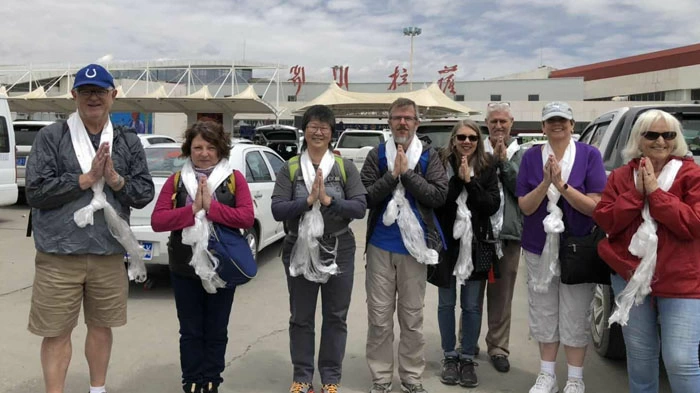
565,186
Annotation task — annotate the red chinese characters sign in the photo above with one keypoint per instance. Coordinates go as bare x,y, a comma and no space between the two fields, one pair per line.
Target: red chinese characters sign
447,79
298,77
395,78
340,76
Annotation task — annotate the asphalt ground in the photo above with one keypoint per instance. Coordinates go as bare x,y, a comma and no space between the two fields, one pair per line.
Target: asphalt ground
145,355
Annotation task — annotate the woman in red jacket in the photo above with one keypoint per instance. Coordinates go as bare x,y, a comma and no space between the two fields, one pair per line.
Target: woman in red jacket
202,298
650,210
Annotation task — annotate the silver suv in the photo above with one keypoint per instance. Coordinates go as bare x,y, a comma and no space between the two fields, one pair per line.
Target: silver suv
609,133
25,132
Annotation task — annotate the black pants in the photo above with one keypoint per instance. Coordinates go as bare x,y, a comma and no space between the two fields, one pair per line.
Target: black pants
335,298
204,321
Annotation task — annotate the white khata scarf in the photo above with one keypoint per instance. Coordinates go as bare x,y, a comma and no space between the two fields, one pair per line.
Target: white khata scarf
399,208
553,223
197,235
497,219
306,254
463,231
644,245
119,228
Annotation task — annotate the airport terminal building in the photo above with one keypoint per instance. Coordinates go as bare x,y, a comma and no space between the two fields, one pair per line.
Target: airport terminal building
172,94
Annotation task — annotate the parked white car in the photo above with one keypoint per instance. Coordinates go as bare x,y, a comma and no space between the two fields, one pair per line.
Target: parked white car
356,144
154,139
259,163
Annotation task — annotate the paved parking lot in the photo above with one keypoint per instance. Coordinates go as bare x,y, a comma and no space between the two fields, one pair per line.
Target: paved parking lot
145,355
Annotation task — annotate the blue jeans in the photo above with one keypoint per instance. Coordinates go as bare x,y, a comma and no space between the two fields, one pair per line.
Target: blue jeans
672,324
471,301
204,321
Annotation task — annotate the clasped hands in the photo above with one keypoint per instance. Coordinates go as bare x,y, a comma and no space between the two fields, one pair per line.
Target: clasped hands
646,181
203,198
103,167
552,173
318,191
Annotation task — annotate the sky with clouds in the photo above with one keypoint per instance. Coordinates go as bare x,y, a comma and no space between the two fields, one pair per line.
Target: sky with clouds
485,39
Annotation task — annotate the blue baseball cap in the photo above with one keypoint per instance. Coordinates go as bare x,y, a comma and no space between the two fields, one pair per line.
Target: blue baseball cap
93,74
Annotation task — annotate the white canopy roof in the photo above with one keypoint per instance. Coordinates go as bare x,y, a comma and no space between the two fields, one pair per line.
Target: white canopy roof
201,101
431,101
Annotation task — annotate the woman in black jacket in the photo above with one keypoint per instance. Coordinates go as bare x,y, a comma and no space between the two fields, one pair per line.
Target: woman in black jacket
467,261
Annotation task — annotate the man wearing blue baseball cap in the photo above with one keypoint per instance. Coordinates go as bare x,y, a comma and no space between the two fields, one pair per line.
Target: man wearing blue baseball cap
83,177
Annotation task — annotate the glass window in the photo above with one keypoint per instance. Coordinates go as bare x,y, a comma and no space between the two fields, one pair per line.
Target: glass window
4,136
292,98
275,161
598,134
25,134
459,97
495,97
358,140
255,168
691,133
164,161
533,97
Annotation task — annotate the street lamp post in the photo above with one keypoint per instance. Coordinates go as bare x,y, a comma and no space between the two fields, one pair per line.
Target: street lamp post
411,31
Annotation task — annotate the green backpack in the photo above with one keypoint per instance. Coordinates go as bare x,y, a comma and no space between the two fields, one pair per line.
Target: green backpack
293,164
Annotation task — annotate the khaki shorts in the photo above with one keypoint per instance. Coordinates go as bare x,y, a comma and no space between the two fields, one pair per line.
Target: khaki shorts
63,282
563,313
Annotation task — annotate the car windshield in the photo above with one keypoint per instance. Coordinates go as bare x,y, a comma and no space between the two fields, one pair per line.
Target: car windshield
357,140
439,135
691,133
25,134
164,161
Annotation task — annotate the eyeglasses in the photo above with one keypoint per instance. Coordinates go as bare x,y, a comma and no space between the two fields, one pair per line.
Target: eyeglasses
323,129
462,137
653,135
407,119
497,104
88,92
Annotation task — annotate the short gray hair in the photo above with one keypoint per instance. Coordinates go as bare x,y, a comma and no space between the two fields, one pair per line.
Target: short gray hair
498,107
643,124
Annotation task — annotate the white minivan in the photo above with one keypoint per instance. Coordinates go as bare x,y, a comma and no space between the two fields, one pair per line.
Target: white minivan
8,175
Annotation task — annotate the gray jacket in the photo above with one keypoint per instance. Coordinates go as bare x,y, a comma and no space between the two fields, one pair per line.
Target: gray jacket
429,191
54,193
512,216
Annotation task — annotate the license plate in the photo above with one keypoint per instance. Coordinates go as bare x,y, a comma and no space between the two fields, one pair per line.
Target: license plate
148,246
21,161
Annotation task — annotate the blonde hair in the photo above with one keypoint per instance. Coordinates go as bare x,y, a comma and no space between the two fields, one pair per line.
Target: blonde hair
643,124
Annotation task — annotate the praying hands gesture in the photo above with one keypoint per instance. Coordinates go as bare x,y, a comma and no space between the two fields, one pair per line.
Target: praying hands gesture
97,170
500,150
464,170
646,178
400,162
318,191
203,198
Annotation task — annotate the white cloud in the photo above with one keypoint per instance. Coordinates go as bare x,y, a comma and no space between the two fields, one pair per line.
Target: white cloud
484,38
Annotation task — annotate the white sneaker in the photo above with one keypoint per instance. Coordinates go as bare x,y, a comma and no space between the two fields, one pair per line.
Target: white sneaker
546,383
575,385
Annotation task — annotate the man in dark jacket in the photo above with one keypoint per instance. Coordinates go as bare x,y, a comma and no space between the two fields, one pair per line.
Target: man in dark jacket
396,267
83,176
508,223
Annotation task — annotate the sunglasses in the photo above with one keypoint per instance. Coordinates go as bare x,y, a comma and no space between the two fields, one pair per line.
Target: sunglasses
653,135
462,137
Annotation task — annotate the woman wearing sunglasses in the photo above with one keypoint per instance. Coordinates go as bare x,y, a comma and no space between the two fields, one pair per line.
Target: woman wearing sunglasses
650,210
558,187
473,194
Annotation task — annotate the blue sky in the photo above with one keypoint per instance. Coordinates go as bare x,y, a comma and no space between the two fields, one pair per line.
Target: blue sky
485,39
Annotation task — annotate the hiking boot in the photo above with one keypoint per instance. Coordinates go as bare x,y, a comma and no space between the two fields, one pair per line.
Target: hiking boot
330,388
210,387
450,370
467,374
545,383
301,387
574,385
500,363
412,388
380,388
